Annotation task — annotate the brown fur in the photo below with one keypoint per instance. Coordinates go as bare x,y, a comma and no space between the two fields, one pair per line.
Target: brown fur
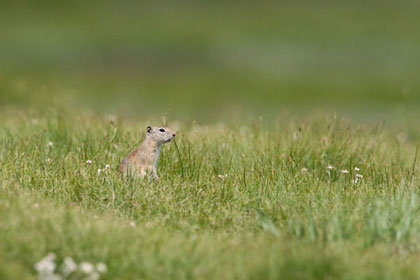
143,160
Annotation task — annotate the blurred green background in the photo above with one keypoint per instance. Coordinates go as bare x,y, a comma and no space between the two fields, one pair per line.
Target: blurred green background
212,60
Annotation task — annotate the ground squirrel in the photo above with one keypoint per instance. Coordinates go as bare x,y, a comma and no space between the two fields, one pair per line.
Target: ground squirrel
143,160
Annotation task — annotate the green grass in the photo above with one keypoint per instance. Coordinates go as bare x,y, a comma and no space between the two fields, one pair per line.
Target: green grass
252,88
266,219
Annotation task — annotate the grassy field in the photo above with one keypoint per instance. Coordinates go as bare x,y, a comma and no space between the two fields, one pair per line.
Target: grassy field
255,201
298,137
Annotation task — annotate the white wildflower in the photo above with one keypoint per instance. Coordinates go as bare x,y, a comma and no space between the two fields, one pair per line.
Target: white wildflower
358,176
330,167
46,266
344,171
69,265
50,144
132,224
356,169
101,267
304,169
99,171
89,162
107,167
86,267
221,176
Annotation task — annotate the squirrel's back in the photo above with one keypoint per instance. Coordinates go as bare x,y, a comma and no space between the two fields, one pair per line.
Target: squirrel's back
126,161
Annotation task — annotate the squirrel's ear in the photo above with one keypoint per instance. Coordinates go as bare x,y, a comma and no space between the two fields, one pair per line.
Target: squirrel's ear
149,128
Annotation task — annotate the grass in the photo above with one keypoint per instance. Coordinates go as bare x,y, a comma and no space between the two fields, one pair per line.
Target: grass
267,218
252,88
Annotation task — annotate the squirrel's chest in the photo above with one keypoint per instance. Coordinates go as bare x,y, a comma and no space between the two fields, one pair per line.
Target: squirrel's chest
157,153
148,156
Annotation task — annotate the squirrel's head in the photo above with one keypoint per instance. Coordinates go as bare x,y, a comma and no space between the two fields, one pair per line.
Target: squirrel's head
161,135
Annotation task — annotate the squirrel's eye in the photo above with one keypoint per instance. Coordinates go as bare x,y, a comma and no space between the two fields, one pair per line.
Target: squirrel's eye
161,130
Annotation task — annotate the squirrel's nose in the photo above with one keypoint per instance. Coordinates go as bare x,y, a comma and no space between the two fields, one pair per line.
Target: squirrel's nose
174,135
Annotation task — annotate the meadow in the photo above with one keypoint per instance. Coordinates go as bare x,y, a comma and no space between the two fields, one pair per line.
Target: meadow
296,155
264,200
